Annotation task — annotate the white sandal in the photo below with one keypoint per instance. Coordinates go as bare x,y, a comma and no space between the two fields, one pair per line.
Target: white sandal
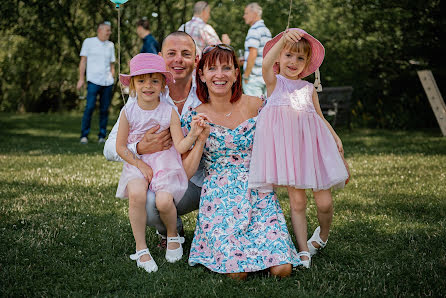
305,263
149,266
316,238
173,255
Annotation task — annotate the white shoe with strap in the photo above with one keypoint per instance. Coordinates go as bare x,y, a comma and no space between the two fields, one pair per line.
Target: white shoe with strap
149,266
173,255
305,263
316,238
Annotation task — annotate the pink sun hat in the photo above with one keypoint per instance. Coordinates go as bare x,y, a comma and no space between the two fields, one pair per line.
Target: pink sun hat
146,63
317,52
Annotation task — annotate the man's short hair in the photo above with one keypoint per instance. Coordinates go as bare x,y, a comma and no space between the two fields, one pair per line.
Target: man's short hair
144,22
199,7
255,7
181,34
105,23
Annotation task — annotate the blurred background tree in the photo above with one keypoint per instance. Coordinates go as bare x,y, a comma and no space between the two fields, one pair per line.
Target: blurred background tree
376,46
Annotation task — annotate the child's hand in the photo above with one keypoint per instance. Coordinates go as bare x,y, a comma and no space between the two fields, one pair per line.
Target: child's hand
348,169
198,124
292,36
339,145
205,133
145,170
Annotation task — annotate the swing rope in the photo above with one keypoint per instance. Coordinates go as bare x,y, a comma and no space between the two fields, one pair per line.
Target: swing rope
119,53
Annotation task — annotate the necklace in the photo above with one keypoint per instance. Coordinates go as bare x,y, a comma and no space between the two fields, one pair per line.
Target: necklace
179,101
228,114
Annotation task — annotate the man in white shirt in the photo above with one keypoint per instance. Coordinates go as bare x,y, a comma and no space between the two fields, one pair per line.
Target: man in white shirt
178,50
97,57
203,33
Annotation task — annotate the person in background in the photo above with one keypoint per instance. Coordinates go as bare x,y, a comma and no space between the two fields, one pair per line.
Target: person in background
201,32
97,58
258,35
150,45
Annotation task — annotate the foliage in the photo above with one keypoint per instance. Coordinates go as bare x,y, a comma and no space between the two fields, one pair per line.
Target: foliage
65,234
369,45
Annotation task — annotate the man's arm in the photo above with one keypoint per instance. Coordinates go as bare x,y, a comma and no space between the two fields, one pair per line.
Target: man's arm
82,67
250,63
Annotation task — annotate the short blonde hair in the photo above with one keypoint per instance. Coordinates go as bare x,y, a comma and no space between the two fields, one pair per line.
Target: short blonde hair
132,88
302,46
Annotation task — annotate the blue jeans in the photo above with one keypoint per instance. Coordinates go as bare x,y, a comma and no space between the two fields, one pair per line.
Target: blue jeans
105,95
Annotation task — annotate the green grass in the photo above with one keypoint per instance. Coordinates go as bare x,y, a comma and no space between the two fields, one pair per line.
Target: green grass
64,233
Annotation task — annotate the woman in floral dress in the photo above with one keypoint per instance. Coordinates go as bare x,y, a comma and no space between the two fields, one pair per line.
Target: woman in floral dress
238,230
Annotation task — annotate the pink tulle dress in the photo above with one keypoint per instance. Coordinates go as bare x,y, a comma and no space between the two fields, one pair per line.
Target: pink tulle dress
168,171
293,146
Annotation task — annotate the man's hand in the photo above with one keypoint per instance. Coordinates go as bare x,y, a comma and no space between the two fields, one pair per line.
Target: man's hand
154,142
145,170
80,83
225,39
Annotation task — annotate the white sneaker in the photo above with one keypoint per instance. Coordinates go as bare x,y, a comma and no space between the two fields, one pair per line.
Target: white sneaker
173,255
84,140
149,266
101,140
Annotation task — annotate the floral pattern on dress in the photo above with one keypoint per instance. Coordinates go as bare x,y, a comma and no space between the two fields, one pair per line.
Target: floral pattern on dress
237,230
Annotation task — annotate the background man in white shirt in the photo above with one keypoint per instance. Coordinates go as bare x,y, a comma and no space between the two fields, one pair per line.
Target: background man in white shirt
179,51
97,57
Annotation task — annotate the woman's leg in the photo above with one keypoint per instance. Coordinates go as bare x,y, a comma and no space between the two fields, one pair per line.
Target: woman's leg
324,203
137,190
238,275
168,213
298,208
281,270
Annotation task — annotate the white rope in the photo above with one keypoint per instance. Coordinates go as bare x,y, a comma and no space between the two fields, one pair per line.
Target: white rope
289,15
119,53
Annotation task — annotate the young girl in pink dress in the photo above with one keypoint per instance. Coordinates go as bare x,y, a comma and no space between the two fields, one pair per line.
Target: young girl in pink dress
163,170
294,145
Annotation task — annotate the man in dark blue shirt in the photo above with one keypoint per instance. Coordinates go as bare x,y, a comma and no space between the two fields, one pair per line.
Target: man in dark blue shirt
150,45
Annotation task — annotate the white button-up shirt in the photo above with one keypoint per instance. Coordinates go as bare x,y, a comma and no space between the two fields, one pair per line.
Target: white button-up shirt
99,56
192,101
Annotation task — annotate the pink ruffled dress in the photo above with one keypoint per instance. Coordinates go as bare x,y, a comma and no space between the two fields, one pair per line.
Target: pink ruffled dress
168,171
293,146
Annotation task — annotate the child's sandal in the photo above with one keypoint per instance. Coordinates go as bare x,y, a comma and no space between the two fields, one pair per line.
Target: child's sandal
149,266
173,255
305,263
316,238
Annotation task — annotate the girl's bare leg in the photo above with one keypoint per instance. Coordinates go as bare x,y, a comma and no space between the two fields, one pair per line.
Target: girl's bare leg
324,203
298,208
168,214
137,190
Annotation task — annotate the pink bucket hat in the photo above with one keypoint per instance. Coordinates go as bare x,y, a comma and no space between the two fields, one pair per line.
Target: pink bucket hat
317,52
146,63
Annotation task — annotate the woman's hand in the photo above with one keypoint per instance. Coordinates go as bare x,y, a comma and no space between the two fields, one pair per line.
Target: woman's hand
145,170
205,133
198,124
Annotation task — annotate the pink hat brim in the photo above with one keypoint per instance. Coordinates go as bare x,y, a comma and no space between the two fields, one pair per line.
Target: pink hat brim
317,52
125,78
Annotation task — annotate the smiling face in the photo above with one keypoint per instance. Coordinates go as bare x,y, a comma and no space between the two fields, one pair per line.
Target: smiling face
148,88
219,77
179,53
294,59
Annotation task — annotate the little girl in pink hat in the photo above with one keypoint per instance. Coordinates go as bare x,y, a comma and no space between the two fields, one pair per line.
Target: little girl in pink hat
294,145
163,170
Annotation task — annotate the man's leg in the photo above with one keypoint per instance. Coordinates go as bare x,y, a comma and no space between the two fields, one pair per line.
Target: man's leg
92,92
188,203
104,103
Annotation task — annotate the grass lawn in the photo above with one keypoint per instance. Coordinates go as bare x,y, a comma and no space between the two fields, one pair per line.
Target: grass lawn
63,232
